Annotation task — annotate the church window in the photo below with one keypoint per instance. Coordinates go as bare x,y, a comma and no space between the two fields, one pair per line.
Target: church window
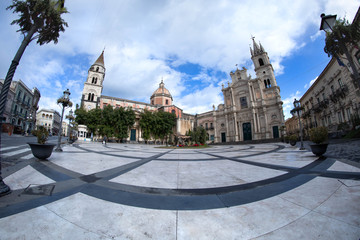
269,84
211,125
206,126
261,62
266,86
89,97
167,102
243,102
92,97
173,111
97,69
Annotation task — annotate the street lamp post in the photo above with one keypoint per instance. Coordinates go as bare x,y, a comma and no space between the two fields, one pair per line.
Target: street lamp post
65,102
298,109
70,128
327,24
28,121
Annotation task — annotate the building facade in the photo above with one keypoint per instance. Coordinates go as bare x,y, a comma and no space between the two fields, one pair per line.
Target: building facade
160,100
49,119
23,103
333,100
252,108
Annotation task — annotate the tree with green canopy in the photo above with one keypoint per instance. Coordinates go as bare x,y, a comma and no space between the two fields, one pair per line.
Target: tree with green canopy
146,123
158,125
123,119
198,135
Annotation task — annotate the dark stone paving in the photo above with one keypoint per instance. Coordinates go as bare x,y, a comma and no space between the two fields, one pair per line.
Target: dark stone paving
99,186
341,149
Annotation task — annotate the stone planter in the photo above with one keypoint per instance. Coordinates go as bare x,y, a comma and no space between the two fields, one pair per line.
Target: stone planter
42,151
319,149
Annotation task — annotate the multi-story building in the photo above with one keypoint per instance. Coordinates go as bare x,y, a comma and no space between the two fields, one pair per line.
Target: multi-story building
24,105
65,129
292,125
50,119
7,111
333,100
252,108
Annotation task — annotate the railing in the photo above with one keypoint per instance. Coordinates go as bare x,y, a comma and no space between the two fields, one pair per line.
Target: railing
339,93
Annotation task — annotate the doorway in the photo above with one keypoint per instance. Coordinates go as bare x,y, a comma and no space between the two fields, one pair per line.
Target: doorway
275,131
247,131
133,135
223,137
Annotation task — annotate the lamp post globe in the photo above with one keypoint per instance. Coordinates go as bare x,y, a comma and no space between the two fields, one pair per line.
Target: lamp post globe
327,22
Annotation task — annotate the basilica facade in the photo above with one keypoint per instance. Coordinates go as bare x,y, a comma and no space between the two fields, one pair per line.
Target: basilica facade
252,108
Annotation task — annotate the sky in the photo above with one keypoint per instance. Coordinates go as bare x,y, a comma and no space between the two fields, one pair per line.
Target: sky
192,45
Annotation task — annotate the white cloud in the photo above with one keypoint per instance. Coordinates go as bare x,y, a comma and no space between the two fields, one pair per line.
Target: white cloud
208,97
310,83
141,36
288,103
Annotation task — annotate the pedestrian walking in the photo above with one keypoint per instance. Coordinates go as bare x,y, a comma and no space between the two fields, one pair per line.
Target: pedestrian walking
104,140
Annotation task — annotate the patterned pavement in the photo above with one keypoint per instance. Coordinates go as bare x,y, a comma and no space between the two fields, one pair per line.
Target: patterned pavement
120,191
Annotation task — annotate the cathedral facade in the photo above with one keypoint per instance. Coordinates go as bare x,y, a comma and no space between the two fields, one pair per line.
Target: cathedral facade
252,108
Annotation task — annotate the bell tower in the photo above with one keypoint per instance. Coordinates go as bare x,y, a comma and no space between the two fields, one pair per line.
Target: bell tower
94,84
263,67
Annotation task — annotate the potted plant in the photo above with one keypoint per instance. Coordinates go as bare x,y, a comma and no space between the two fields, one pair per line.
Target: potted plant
319,136
292,139
41,149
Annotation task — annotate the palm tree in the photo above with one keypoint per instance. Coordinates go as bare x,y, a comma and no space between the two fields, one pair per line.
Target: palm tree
35,16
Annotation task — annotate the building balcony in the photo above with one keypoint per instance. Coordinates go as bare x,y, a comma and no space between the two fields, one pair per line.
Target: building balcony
306,114
339,93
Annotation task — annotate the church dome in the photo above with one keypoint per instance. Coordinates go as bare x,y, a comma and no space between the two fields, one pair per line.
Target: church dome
161,96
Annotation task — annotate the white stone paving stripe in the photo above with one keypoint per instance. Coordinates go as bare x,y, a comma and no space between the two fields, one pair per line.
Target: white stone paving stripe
27,156
9,154
8,148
